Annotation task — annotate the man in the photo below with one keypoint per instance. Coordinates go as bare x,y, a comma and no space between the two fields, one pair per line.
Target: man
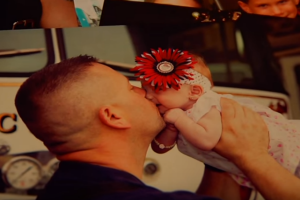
185,3
97,124
276,8
100,127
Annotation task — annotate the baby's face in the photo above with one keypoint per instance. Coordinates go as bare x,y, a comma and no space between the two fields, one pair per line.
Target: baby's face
170,98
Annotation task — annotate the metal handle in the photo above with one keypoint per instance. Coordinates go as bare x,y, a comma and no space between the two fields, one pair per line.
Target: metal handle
13,52
150,168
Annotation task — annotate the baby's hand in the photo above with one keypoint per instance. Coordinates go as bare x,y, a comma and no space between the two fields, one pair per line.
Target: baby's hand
172,115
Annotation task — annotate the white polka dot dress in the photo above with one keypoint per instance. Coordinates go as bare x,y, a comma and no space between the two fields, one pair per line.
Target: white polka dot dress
284,134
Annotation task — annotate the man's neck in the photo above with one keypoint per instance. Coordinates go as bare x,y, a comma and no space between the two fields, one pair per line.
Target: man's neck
121,159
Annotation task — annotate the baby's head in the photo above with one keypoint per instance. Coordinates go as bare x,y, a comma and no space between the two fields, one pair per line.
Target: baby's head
173,88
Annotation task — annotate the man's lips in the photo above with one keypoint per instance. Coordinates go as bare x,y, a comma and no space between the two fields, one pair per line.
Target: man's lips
161,108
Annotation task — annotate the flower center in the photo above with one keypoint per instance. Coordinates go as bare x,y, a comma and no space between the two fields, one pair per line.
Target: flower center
165,67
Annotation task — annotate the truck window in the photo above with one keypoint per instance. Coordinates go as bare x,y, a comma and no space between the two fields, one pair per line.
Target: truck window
25,51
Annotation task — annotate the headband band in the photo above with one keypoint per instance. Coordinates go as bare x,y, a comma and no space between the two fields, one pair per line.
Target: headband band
199,79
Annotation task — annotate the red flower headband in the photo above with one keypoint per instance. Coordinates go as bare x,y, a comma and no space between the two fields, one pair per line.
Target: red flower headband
164,69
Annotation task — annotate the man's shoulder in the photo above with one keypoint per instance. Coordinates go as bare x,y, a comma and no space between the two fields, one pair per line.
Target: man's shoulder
79,181
178,195
149,193
104,190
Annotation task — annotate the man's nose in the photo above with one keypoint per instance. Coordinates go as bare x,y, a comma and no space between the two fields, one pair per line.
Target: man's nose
143,92
277,11
140,91
149,95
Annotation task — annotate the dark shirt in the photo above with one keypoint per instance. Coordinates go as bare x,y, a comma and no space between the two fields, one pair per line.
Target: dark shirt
82,181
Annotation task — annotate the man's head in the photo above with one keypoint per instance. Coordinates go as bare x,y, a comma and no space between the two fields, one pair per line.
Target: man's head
79,104
277,8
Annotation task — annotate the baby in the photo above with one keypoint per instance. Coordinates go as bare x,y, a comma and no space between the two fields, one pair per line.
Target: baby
180,85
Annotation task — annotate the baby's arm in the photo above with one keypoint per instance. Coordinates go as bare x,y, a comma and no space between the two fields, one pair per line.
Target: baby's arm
204,134
167,137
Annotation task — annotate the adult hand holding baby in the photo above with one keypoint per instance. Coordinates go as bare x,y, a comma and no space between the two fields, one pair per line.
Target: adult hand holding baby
244,141
244,133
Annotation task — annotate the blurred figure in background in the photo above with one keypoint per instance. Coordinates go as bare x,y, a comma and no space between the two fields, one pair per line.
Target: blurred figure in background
19,14
276,8
58,14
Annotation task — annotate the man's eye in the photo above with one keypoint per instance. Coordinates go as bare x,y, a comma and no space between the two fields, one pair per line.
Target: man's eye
263,5
282,2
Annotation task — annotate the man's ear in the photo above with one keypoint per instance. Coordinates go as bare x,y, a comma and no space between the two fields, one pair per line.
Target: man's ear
244,6
195,92
113,117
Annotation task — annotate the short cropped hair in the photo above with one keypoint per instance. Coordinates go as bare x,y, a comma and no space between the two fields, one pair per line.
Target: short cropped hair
40,85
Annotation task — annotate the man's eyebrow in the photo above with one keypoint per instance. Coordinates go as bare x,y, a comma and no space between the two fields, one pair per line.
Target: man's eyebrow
261,4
